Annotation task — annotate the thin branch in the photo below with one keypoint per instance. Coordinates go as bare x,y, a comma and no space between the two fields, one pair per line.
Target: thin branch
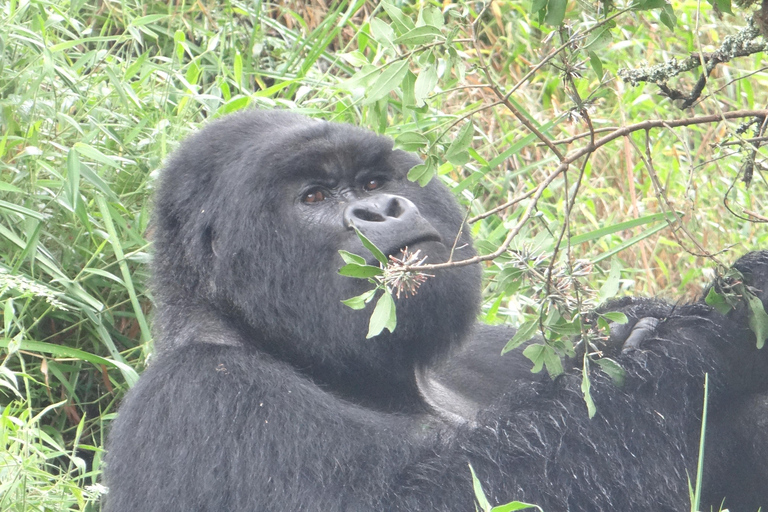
582,135
503,97
757,216
751,140
661,193
738,45
576,37
501,207
572,157
660,123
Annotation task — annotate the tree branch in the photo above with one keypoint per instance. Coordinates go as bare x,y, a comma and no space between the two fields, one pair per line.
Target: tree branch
568,159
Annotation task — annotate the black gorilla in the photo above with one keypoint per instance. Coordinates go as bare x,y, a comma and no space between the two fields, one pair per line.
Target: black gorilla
265,394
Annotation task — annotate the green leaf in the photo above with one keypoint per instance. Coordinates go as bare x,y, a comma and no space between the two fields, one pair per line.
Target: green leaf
425,84
611,368
586,385
611,285
718,302
104,274
237,68
387,81
383,316
758,319
374,250
647,5
73,187
482,499
621,226
431,15
7,187
460,158
564,327
523,334
179,38
349,257
363,78
96,155
360,271
629,243
355,58
129,374
411,141
724,6
514,506
596,63
25,212
400,21
538,5
667,17
462,141
407,86
420,35
555,12
193,73
544,355
233,105
73,178
615,317
361,300
599,41
146,20
382,32
423,173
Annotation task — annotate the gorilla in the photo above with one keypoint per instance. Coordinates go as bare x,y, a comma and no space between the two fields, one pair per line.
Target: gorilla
266,395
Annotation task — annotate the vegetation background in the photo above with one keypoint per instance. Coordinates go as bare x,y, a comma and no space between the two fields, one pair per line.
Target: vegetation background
506,101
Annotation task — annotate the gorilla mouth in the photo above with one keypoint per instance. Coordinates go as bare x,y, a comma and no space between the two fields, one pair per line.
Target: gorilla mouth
413,245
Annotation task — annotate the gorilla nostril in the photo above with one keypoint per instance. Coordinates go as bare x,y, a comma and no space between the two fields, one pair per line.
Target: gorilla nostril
394,208
367,215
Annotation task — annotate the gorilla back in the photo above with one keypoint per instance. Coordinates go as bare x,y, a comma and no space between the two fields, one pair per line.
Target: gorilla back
265,394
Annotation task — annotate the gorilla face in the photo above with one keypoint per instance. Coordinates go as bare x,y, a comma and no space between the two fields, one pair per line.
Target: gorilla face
282,196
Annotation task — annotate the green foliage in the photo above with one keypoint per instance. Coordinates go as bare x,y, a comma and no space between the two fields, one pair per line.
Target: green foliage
384,314
485,505
37,472
731,292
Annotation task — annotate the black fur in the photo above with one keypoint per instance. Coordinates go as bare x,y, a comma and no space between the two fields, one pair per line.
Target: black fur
265,394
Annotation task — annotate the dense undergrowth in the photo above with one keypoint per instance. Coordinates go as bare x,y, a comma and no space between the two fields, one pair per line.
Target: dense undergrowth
94,96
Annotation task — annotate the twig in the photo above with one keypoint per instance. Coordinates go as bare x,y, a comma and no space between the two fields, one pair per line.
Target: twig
738,45
761,218
501,207
572,157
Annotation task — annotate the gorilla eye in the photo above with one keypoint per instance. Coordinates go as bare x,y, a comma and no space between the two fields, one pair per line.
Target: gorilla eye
373,184
313,196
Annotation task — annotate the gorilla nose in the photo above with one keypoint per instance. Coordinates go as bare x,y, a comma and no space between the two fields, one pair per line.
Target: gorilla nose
380,208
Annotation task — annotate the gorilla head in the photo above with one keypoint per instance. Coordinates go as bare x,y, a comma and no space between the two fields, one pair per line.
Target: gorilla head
251,214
